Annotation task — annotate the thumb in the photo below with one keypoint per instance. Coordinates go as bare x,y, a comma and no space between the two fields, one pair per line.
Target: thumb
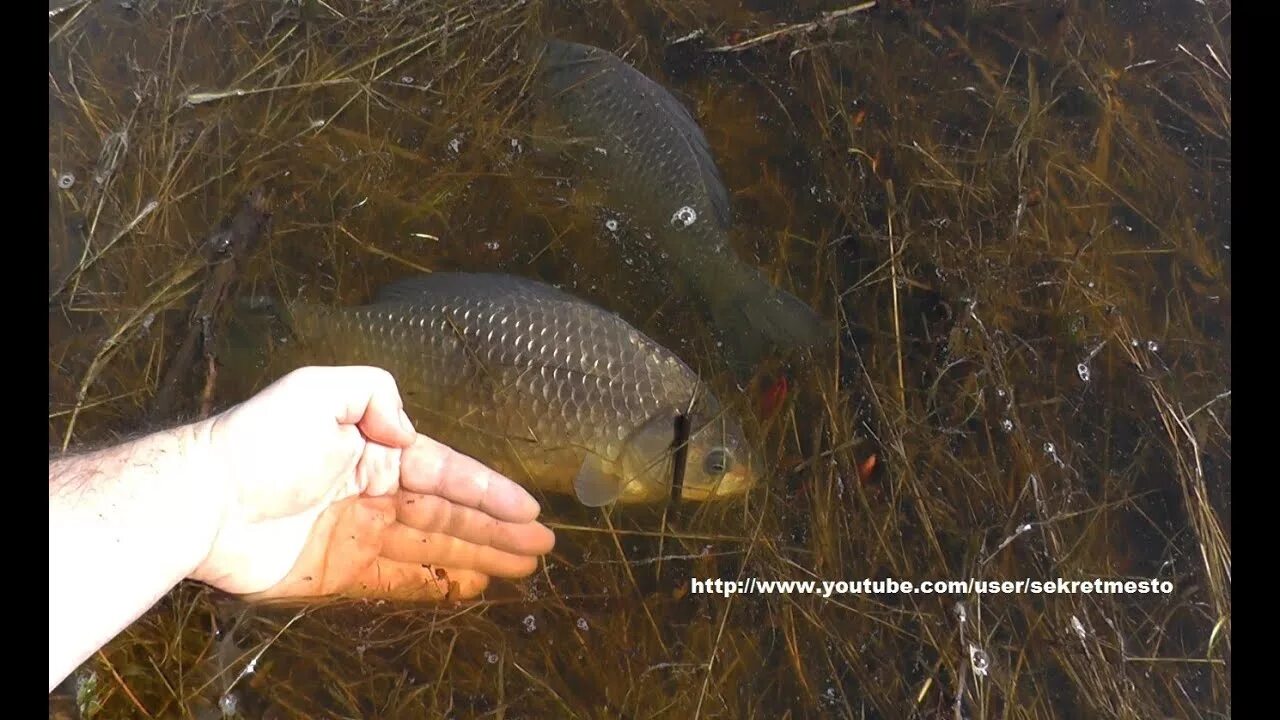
368,398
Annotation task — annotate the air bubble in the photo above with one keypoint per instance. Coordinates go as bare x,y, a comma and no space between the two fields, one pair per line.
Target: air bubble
611,224
220,242
407,79
455,145
1152,346
582,624
978,661
529,623
66,180
1083,371
1006,425
491,657
684,217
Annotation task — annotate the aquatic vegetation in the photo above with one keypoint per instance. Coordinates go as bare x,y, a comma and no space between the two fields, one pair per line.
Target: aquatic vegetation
1017,215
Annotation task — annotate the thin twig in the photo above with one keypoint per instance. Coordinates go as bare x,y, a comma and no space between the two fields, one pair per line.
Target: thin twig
827,19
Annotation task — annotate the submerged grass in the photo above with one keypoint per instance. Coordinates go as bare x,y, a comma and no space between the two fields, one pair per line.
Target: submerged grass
1018,214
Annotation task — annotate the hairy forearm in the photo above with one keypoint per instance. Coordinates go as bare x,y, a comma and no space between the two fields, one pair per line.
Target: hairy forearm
126,524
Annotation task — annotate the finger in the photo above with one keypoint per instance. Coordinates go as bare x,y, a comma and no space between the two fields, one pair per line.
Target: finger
432,514
378,472
431,468
405,544
369,398
342,558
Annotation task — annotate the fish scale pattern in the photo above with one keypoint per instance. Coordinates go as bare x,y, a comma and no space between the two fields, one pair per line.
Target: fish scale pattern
528,381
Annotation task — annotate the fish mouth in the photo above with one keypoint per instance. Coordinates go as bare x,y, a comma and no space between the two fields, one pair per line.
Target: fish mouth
639,491
729,486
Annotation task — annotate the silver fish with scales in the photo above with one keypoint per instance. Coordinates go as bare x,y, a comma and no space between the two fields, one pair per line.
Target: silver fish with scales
655,165
544,387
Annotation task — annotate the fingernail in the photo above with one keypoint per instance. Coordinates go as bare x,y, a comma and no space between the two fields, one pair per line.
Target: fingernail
406,423
535,508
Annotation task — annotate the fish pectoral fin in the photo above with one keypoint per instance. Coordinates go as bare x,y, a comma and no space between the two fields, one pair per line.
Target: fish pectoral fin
597,484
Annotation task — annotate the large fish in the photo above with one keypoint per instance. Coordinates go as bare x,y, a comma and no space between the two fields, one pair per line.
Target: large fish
542,386
655,165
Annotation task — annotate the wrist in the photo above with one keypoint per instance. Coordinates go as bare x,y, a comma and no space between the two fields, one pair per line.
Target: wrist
130,522
208,486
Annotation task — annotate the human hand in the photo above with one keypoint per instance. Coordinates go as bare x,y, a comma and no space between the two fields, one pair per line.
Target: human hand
334,443
460,525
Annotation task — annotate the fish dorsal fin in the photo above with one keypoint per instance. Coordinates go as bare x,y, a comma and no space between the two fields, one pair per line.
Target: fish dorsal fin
578,59
645,458
429,287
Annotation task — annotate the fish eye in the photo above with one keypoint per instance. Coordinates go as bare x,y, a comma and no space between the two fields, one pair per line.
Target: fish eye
718,462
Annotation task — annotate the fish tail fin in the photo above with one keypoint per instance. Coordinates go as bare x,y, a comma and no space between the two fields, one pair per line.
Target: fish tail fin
753,319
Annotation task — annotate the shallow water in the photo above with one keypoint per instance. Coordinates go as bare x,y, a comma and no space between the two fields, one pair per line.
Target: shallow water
1016,216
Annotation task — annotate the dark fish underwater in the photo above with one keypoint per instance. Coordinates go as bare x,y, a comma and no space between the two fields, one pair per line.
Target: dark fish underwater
542,386
647,150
